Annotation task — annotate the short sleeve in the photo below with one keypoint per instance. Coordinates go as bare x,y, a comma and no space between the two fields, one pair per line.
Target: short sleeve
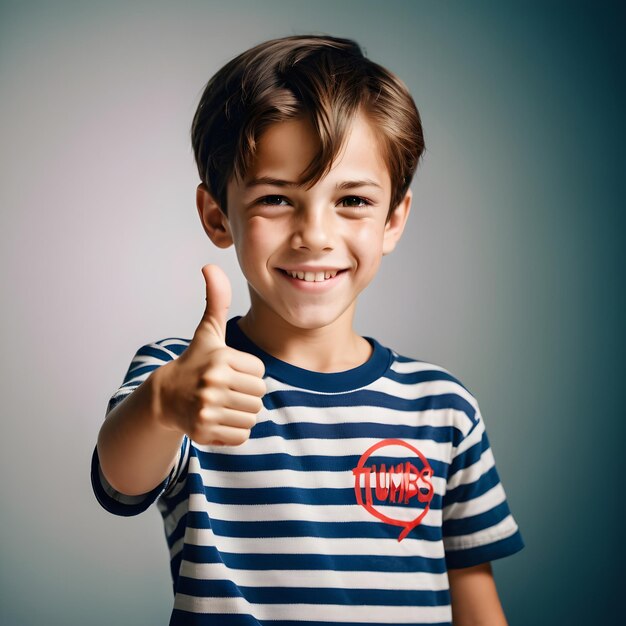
477,523
146,360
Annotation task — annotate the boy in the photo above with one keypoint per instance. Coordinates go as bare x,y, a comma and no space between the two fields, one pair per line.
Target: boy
306,474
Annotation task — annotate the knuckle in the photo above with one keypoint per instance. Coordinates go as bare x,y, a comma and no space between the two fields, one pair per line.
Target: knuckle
206,418
261,388
249,420
260,368
220,355
209,396
211,377
242,437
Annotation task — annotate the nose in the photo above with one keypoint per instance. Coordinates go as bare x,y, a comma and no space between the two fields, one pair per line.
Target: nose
313,229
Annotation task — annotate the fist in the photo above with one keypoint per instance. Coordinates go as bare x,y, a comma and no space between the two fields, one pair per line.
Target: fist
212,392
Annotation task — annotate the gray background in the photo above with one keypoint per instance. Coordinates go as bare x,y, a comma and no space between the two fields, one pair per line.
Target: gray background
508,273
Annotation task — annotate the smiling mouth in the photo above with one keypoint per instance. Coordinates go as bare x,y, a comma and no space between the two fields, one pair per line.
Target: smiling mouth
312,277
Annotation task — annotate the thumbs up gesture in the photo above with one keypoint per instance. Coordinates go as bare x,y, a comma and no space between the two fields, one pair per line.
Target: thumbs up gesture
212,392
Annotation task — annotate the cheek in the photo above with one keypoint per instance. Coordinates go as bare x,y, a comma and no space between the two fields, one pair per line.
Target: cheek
367,242
255,241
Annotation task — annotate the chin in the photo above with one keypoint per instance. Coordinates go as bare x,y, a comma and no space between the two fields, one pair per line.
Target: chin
312,320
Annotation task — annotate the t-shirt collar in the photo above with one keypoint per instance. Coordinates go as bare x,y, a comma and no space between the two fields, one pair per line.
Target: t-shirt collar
334,382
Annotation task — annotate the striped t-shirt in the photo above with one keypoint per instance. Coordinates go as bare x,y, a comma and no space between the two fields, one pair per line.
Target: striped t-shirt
354,495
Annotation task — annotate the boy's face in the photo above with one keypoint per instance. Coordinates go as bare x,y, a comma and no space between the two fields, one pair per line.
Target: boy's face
308,254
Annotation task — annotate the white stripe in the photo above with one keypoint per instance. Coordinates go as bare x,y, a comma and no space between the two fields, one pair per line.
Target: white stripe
411,391
476,506
318,545
330,447
504,529
410,367
472,473
472,438
295,479
174,342
147,359
294,511
177,547
404,581
171,520
122,498
367,414
322,612
117,398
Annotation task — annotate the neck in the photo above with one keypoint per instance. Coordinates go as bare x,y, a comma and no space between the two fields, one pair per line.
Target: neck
332,348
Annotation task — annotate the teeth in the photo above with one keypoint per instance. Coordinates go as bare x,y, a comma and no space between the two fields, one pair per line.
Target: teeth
312,277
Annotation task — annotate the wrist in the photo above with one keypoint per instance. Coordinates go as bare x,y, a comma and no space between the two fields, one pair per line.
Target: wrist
160,405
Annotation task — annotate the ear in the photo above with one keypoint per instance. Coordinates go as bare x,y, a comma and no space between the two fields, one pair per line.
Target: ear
396,222
213,220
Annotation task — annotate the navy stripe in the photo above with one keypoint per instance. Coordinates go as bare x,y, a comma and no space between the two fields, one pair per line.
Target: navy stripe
296,495
113,505
139,372
208,588
475,523
423,376
347,430
306,528
470,456
314,595
178,347
153,351
481,554
307,463
368,399
470,491
321,562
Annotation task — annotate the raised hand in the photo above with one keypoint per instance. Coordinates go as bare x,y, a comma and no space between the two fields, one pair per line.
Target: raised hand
212,392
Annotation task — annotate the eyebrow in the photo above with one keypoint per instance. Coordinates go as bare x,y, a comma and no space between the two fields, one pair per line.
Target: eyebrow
277,182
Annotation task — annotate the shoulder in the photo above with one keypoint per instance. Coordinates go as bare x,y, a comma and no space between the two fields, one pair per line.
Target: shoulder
147,358
432,387
409,370
153,355
162,350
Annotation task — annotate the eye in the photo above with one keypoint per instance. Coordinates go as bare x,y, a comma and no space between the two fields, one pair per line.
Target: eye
355,202
272,200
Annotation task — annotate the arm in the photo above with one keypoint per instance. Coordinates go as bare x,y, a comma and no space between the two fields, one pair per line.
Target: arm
211,393
136,451
475,600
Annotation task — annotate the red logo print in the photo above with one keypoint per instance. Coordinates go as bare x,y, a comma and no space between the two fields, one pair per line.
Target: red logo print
396,485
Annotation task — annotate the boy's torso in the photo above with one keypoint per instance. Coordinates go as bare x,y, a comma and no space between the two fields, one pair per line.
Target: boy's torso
354,494
335,501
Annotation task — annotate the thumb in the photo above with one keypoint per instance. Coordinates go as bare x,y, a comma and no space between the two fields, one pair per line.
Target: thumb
218,295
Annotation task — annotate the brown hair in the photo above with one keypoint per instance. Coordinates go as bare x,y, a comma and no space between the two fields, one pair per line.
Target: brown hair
325,78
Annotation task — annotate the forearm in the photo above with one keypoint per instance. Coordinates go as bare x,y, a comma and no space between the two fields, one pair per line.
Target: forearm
135,449
475,600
